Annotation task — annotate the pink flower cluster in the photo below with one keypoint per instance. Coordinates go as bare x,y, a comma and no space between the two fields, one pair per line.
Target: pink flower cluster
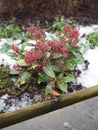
35,33
37,55
32,29
18,68
70,32
58,47
74,33
53,51
32,56
67,27
70,35
42,46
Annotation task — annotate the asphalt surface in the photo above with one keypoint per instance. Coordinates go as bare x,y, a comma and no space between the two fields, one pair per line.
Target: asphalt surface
80,116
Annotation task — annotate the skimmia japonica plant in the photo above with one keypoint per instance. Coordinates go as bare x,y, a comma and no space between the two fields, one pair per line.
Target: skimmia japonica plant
49,62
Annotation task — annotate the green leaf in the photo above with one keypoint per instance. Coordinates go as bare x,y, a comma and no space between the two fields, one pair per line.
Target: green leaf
5,48
47,54
13,72
93,38
70,66
69,78
23,47
70,63
35,65
23,53
80,58
55,68
48,89
24,76
54,37
42,78
56,55
48,71
74,61
60,75
12,55
62,86
21,62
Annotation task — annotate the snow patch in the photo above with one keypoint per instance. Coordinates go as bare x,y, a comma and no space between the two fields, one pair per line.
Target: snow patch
89,77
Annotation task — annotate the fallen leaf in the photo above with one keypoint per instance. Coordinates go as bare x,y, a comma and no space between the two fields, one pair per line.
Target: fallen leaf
55,93
23,82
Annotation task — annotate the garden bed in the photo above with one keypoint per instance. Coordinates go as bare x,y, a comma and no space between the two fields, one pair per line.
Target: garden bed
34,99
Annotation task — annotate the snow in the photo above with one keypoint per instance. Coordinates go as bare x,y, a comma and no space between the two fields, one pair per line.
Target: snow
7,105
88,78
7,60
9,41
87,29
32,41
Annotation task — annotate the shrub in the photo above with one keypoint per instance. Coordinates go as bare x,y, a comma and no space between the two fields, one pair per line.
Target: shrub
9,31
59,23
49,62
93,39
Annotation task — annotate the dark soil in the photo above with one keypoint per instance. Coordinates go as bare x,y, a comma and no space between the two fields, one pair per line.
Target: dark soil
26,17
